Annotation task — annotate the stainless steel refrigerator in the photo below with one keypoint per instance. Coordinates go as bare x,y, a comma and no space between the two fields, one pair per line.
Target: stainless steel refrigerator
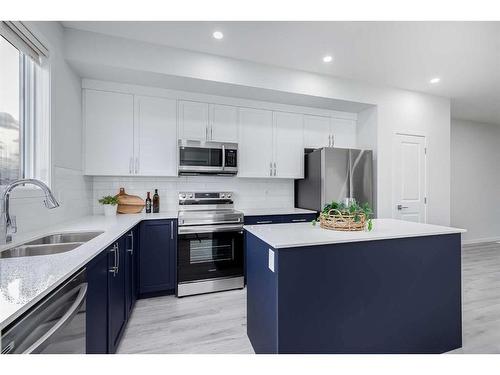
332,174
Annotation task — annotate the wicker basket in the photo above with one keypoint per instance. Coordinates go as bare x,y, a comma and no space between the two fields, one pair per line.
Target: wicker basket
335,220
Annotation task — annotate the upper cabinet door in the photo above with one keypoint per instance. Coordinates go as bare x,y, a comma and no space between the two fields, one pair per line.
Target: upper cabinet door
109,133
289,145
255,146
343,133
316,131
156,137
193,120
223,123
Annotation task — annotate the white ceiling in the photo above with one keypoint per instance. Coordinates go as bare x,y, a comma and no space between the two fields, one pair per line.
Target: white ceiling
465,55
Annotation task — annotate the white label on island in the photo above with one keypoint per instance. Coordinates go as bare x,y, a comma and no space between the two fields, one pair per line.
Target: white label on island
271,260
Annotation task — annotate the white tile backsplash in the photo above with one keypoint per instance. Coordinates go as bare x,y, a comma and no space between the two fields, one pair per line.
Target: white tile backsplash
248,193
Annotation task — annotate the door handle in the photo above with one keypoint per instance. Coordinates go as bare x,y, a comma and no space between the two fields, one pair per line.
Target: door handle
131,250
400,206
275,168
270,168
172,230
329,140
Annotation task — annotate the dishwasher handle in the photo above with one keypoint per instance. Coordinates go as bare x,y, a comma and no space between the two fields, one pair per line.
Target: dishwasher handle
66,318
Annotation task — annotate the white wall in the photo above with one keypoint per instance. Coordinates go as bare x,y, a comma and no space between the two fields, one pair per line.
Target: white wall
71,188
397,110
475,181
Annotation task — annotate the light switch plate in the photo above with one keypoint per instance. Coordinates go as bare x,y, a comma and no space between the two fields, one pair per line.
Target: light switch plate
271,260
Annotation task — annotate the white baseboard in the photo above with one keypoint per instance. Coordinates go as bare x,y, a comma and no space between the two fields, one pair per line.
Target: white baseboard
480,240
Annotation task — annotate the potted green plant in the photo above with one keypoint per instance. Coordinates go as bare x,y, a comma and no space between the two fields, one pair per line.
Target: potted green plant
346,216
109,203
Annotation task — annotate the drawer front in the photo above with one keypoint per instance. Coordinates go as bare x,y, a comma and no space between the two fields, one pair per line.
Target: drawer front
301,218
268,219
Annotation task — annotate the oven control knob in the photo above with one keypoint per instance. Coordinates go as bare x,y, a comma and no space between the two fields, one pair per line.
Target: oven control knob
229,195
183,196
223,195
190,196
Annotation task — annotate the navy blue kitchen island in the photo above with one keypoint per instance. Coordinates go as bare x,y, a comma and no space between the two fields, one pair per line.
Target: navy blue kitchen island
396,289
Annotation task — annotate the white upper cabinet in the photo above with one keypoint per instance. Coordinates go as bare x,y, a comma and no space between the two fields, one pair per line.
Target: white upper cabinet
156,137
317,132
343,133
255,146
223,124
193,120
109,133
288,145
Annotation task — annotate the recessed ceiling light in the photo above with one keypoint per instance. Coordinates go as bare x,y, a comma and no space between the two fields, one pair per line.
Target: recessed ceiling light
327,58
218,35
435,80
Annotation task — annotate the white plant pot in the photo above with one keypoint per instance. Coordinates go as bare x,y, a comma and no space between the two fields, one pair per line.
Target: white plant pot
109,210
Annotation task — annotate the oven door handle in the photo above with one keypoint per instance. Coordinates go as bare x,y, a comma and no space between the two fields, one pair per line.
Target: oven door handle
210,229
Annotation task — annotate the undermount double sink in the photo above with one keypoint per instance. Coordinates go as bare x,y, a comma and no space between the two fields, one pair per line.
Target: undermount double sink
51,244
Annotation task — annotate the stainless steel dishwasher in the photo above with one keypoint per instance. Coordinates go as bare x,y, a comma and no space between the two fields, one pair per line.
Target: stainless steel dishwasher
55,325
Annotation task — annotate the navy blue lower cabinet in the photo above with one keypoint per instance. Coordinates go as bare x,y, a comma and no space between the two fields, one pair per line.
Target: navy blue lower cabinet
97,305
157,257
268,219
299,218
117,313
279,219
386,296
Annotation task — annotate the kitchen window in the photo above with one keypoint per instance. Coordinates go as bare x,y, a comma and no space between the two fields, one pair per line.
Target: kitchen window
24,125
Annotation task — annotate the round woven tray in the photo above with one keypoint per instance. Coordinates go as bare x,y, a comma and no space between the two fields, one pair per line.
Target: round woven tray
336,220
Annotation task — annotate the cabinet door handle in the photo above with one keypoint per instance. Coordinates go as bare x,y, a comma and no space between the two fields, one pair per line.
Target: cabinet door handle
130,165
275,168
298,220
211,133
329,140
131,235
136,165
113,269
172,230
265,222
118,257
270,168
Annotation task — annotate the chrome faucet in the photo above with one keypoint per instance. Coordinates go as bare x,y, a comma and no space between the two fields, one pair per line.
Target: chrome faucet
8,224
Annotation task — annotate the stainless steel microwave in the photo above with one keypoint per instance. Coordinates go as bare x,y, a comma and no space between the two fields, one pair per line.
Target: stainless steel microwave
197,157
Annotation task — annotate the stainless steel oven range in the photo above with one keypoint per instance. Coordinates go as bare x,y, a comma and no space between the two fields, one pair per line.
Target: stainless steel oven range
209,243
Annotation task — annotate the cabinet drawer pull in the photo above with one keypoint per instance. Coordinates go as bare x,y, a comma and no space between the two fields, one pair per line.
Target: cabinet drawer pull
265,222
298,220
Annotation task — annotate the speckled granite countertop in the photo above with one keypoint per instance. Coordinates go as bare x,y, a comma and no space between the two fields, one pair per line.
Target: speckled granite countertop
25,281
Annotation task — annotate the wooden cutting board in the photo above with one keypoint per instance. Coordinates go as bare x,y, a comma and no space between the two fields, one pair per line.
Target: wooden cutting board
129,204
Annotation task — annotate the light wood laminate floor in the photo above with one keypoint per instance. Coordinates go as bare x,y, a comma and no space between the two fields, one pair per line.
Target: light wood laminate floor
216,323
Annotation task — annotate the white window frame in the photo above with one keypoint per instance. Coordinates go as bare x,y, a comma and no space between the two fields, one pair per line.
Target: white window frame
34,119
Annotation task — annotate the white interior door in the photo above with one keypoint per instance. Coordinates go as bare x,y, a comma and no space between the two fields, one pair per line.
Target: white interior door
255,146
409,179
288,145
156,137
193,120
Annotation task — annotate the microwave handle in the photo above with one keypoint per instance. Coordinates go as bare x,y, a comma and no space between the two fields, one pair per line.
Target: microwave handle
223,156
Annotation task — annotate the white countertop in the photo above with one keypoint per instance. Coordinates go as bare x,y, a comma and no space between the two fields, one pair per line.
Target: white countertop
26,280
305,234
274,211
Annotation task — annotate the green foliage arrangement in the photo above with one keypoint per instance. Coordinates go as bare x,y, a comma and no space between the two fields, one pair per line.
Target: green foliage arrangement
352,209
109,199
